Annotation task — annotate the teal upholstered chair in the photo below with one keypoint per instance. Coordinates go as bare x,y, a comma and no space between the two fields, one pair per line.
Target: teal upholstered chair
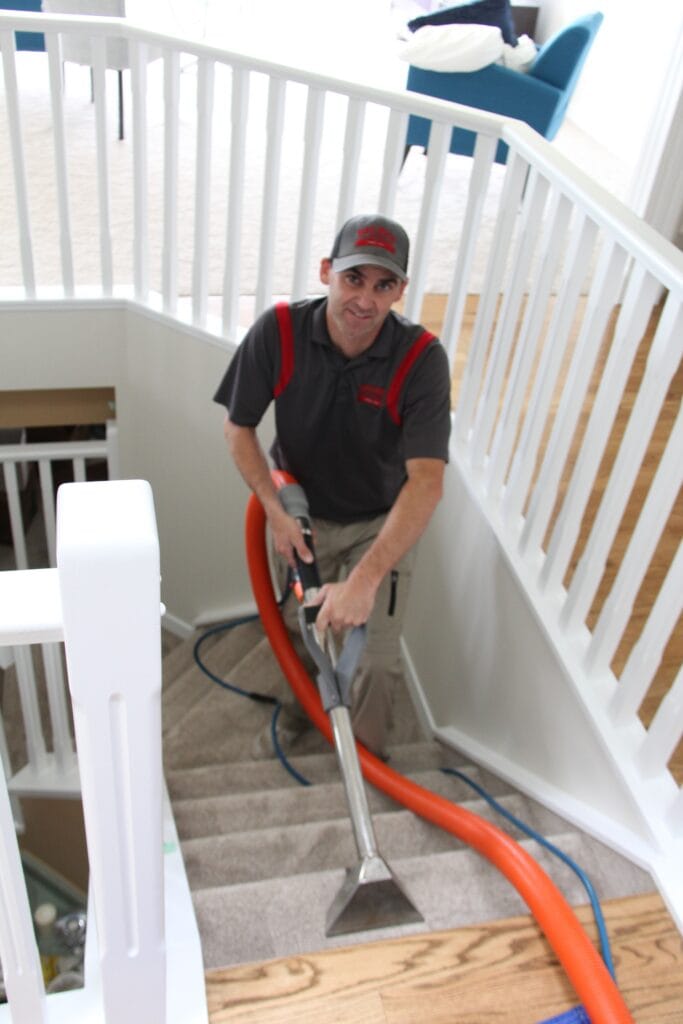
25,40
539,96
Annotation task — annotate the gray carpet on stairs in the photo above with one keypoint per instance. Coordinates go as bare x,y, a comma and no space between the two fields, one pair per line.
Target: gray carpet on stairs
265,856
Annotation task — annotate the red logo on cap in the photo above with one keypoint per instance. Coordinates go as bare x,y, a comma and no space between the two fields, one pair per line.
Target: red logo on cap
377,236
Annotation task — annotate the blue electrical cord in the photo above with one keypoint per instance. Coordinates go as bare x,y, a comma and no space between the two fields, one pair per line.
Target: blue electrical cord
581,874
261,698
277,708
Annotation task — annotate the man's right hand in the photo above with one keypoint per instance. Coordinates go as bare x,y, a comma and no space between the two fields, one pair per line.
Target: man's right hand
288,539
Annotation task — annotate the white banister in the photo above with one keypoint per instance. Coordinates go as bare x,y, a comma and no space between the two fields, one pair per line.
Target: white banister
18,163
534,203
108,564
527,343
559,328
635,313
603,294
515,178
18,950
315,110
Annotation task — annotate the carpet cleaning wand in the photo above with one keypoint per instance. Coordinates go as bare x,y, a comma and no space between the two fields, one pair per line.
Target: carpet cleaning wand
370,896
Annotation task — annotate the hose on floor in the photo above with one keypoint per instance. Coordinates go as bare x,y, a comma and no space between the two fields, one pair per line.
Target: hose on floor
581,961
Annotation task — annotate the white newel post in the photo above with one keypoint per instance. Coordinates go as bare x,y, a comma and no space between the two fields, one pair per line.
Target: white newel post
108,563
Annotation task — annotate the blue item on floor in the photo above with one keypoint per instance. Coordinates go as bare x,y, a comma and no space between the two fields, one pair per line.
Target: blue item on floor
575,1016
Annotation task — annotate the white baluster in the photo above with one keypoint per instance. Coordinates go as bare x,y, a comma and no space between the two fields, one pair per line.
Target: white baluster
79,470
664,732
315,109
200,269
274,127
646,653
239,110
439,142
484,153
515,178
169,269
102,143
393,157
18,950
48,497
30,710
15,515
662,363
494,382
353,138
527,343
604,293
652,520
54,52
545,384
138,67
18,162
59,718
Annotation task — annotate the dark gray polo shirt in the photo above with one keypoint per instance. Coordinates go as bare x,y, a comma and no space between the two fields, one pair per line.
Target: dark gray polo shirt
344,427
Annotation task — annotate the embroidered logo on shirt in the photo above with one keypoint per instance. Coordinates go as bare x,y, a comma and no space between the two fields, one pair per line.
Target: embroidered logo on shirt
368,394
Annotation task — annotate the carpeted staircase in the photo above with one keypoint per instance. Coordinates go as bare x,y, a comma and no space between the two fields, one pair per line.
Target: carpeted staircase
265,856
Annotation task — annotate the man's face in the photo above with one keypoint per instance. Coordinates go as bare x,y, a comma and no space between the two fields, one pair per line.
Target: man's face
359,300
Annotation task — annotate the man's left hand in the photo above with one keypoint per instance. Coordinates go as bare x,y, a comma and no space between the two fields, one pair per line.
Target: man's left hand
344,604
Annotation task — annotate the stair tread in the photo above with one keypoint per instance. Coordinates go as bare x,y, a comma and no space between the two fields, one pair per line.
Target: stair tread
327,843
254,921
220,779
267,808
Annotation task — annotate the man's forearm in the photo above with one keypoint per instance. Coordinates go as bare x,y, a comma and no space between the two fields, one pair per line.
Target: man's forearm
253,466
406,521
350,603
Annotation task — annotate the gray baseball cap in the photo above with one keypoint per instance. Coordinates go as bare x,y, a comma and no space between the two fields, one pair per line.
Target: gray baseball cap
372,239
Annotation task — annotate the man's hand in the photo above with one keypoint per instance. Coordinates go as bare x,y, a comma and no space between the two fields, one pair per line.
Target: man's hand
288,539
251,461
345,604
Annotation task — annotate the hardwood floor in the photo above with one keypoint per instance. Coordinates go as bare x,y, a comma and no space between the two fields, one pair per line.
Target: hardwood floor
502,971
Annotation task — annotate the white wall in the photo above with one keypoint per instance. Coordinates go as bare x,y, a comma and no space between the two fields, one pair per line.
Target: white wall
490,677
178,445
617,98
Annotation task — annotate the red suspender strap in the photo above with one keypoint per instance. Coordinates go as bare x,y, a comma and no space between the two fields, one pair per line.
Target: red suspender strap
398,380
284,321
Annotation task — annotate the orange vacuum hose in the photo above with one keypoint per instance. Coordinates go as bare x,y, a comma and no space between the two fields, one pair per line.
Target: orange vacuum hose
577,954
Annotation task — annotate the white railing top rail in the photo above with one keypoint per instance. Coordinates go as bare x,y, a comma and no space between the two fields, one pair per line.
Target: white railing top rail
31,607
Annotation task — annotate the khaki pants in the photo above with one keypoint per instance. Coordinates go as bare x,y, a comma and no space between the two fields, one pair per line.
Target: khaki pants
338,547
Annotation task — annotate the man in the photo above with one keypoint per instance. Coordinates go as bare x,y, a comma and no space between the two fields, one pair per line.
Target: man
362,411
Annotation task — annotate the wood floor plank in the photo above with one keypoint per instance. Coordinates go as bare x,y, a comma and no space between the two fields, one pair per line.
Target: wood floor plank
499,971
